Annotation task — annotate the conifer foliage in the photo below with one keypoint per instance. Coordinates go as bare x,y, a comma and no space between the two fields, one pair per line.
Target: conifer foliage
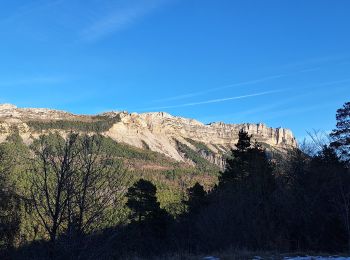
341,135
142,200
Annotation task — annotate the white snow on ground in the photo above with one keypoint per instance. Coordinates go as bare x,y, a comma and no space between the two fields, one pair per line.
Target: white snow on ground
317,258
309,258
293,258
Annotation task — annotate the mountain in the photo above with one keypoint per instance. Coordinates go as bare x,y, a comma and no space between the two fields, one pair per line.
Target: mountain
178,138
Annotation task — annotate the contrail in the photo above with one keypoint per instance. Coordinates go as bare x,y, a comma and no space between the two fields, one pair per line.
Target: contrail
193,94
278,104
251,82
214,100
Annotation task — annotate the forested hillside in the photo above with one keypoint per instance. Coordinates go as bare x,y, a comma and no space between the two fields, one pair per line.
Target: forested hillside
86,196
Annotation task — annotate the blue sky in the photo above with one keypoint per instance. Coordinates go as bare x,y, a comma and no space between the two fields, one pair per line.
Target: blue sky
285,63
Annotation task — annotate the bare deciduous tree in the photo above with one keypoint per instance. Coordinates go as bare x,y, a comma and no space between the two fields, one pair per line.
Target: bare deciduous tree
53,167
74,183
98,184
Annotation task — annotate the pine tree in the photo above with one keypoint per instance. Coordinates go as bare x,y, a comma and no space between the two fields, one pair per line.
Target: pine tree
196,198
142,200
245,190
341,135
235,166
243,143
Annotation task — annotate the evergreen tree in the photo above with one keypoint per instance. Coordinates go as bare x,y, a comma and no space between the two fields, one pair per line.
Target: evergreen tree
245,196
325,183
243,144
196,198
142,200
341,135
149,223
235,166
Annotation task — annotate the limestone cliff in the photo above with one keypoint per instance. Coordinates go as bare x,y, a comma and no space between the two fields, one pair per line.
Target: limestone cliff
160,132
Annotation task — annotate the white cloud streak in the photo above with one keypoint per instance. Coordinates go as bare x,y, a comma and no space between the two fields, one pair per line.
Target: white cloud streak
291,100
260,80
211,101
244,83
118,20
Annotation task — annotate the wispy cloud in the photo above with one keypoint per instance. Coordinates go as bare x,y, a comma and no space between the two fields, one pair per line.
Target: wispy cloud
242,115
119,19
88,22
243,83
238,84
280,104
211,101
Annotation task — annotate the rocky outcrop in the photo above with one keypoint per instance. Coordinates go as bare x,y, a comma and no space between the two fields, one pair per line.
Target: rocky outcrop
160,130
157,131
10,111
214,158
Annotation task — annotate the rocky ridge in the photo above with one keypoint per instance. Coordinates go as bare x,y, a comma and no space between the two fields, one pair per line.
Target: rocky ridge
159,131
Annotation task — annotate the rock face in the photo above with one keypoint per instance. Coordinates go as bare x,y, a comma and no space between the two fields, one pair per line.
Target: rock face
159,132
